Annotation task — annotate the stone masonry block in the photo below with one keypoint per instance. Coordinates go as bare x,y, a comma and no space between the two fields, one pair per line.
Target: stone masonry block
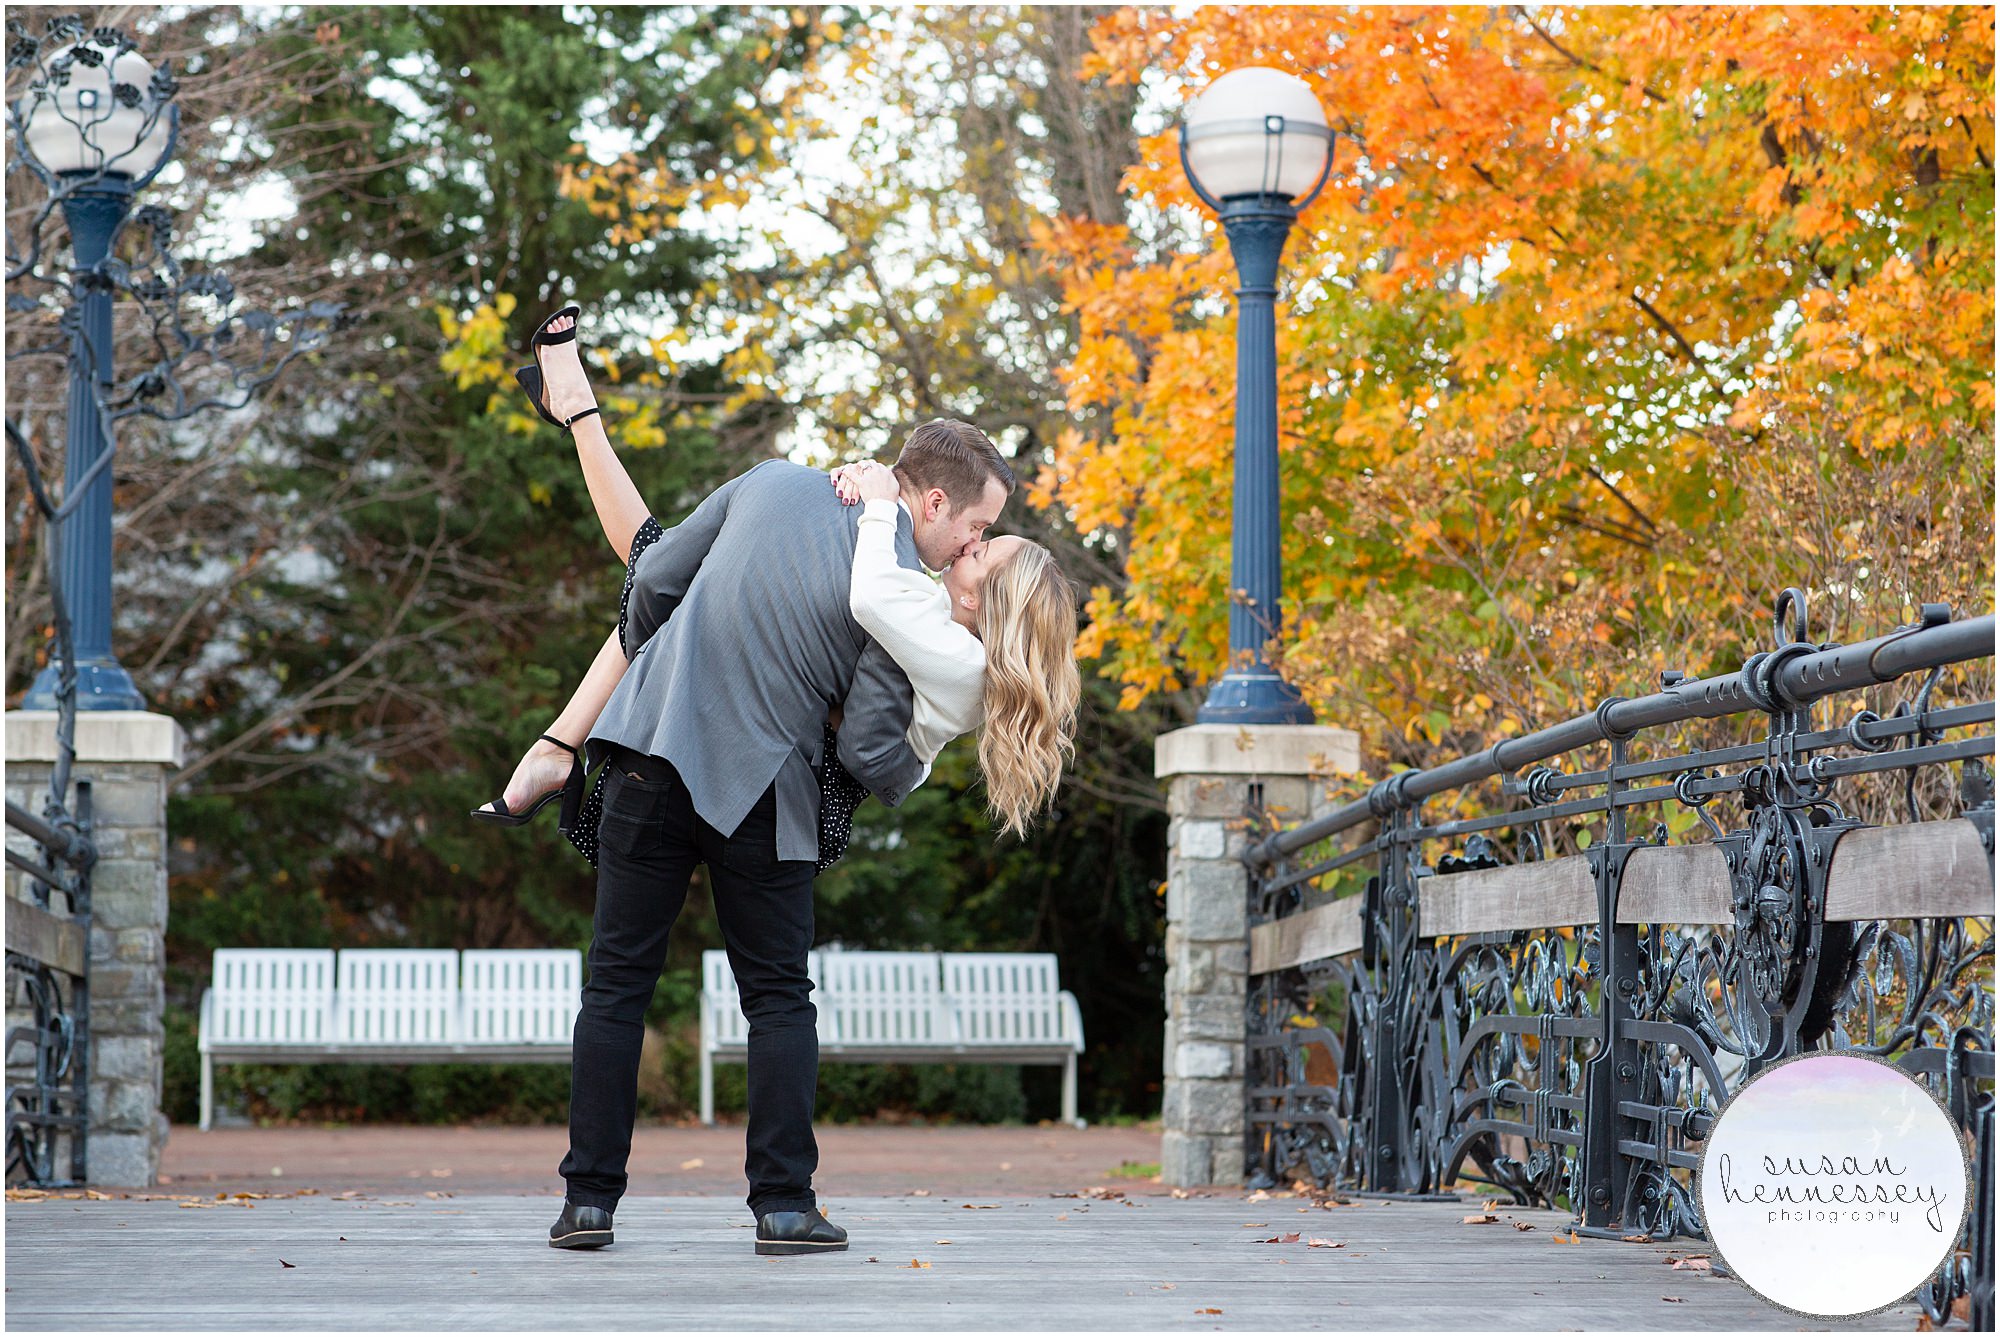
1207,1017
1227,1161
139,802
129,893
1197,1059
123,1107
1211,1107
1285,796
1207,839
125,1058
1206,796
122,1159
1214,900
1186,1160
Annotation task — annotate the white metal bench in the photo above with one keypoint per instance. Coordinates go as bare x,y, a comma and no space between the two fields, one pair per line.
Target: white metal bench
373,1005
901,1007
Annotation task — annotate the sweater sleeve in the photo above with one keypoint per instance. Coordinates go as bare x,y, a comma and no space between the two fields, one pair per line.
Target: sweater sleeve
909,615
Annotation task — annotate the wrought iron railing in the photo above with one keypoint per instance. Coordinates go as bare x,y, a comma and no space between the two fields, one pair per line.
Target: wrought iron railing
1565,1029
48,953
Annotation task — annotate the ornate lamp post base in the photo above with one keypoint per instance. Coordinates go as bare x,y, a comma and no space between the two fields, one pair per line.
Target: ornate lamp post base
1255,696
101,684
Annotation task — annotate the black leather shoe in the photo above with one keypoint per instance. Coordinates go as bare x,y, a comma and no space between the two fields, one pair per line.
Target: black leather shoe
580,1228
798,1232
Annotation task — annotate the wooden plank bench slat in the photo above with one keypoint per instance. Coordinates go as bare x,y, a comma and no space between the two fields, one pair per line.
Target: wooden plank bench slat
373,1005
876,1007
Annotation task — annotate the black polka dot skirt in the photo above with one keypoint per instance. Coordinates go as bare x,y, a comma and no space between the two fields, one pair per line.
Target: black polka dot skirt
839,795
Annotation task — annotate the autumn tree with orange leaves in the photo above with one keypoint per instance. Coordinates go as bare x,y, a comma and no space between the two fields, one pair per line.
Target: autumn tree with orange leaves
1610,323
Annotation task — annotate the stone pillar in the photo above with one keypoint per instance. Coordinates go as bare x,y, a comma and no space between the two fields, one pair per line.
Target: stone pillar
127,756
1210,770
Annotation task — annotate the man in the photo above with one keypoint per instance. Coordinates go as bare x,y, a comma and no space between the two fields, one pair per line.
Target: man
712,738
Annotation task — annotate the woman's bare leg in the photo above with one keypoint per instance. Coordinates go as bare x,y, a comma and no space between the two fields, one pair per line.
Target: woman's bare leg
546,766
620,508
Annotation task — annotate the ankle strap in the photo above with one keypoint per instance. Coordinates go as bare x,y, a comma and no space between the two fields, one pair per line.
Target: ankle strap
568,423
561,744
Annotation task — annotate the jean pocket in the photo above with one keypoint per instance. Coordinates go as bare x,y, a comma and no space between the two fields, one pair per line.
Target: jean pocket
630,802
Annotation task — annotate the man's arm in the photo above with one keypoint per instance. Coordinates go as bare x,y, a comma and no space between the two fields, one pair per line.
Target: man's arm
875,727
661,576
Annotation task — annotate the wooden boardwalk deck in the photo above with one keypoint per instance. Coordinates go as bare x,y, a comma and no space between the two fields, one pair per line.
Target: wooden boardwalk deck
1016,1263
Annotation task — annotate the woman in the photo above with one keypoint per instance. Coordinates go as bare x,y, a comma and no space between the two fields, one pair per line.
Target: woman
990,647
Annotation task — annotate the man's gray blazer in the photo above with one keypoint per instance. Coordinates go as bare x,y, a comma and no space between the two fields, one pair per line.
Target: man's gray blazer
754,643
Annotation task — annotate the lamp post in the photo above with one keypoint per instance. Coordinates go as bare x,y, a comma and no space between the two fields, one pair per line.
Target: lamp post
1257,149
99,126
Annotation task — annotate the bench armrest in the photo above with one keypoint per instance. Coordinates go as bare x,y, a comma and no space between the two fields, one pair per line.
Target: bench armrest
1072,1019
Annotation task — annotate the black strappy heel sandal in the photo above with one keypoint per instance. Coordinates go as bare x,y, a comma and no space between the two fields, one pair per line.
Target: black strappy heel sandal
531,377
571,793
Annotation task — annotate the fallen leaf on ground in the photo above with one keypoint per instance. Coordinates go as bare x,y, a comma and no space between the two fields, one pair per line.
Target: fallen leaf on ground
1700,1262
694,1164
283,1263
1673,1299
1637,1239
1478,1219
441,1174
1208,1311
1182,1193
1325,1244
940,1241
1522,1225
1561,1238
980,1206
1062,1216
1252,1225
917,1263
1289,1237
1164,1286
920,1193
1259,1196
874,1260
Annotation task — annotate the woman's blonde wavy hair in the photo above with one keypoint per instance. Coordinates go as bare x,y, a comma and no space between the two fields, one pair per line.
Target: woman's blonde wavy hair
1027,623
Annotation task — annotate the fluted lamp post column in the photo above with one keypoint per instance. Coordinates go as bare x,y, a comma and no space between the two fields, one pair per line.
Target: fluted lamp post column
1257,149
95,139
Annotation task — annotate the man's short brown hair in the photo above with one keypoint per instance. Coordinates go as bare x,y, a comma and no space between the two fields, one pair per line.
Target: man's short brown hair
955,456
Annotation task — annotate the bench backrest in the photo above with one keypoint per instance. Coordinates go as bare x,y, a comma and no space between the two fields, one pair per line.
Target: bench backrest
1005,997
272,995
391,996
889,998
916,998
519,996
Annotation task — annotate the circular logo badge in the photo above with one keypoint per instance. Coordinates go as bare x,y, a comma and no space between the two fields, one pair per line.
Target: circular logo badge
1834,1184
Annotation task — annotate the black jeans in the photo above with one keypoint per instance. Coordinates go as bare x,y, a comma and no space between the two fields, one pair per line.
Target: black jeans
649,841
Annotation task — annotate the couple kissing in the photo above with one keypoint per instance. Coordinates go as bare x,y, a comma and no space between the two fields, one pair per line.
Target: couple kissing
780,655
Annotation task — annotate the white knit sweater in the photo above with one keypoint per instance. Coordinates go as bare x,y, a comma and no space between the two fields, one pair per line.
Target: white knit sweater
910,614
